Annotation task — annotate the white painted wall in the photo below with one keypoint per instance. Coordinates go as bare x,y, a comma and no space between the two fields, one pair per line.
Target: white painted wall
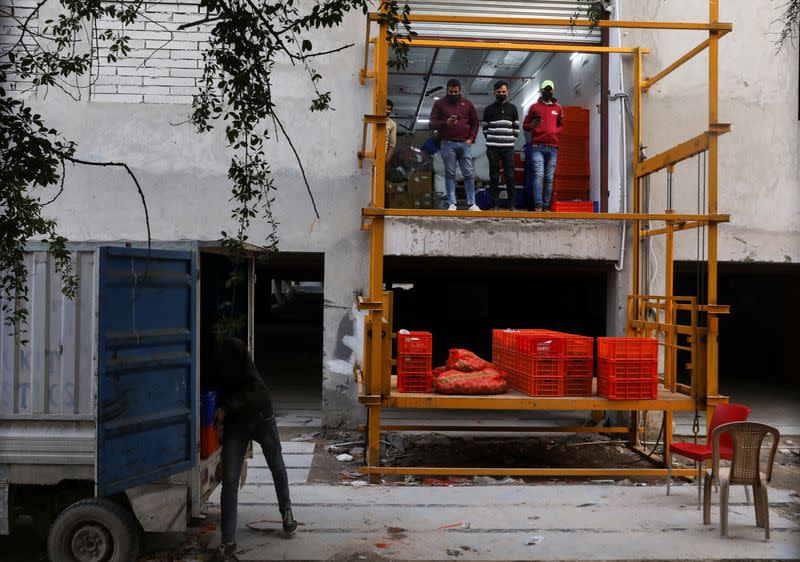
759,169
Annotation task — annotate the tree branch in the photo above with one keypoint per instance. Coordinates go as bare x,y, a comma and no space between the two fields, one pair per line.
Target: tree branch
299,162
133,177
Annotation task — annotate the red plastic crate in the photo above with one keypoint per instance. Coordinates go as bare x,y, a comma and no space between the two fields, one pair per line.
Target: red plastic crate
416,343
209,440
540,343
628,368
578,374
537,366
627,348
414,364
414,382
573,207
533,385
627,389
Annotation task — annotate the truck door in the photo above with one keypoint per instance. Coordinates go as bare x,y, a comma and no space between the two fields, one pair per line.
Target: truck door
146,363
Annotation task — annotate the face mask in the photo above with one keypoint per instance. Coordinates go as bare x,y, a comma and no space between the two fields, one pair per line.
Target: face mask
547,96
501,97
453,98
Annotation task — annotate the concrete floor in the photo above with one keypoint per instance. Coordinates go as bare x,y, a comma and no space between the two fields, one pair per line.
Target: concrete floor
562,522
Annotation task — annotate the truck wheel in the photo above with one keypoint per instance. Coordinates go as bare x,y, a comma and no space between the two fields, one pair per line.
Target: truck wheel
94,530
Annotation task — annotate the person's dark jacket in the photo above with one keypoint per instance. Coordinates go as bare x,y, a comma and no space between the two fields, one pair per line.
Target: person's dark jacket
241,390
466,126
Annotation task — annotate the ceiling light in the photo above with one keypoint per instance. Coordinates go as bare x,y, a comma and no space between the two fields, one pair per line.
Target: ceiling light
573,56
435,98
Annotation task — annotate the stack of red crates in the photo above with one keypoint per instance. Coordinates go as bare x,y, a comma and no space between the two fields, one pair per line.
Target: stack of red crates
572,166
627,368
533,360
414,351
578,364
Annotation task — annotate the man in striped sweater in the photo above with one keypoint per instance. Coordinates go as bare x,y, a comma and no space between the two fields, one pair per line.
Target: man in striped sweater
501,129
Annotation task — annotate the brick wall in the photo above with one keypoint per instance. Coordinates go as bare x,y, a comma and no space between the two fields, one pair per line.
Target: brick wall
163,64
12,13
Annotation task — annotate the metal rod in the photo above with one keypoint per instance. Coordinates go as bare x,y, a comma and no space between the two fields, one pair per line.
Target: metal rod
460,75
560,22
443,471
517,46
424,90
376,212
648,83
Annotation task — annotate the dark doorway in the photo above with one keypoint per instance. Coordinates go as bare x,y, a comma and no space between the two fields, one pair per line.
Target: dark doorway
460,301
288,330
758,359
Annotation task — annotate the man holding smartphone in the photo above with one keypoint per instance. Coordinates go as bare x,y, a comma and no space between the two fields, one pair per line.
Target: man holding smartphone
456,120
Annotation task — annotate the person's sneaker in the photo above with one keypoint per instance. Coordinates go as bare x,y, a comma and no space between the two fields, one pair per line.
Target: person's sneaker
474,207
289,523
224,553
538,209
452,207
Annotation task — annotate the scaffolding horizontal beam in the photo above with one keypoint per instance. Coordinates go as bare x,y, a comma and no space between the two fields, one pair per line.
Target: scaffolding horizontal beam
721,27
502,428
675,228
377,212
648,83
592,472
679,153
518,401
518,46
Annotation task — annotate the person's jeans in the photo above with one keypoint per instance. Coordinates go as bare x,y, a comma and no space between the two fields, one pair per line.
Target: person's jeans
497,156
544,169
461,151
237,433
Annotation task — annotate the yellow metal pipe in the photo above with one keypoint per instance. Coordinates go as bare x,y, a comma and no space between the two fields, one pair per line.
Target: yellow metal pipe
561,22
636,141
676,154
443,471
379,212
516,46
501,428
648,82
712,364
676,228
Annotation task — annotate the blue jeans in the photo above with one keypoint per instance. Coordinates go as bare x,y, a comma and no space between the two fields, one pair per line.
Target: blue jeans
237,433
543,162
461,151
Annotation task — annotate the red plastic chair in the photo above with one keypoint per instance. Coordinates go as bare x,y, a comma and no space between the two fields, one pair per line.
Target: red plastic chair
698,452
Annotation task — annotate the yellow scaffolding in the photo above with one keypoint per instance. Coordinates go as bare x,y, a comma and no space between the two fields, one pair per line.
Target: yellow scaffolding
376,385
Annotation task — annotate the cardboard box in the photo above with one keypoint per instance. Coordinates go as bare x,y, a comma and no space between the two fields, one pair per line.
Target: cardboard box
422,200
393,187
420,182
400,201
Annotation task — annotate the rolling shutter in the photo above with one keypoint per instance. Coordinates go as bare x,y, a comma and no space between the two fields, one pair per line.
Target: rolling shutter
558,9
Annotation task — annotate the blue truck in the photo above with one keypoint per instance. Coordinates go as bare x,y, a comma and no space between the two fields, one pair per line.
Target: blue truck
99,396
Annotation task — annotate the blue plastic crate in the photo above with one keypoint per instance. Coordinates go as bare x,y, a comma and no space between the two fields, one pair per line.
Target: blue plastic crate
208,407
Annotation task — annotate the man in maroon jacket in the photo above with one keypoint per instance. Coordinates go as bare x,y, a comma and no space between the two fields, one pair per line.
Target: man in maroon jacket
545,120
456,120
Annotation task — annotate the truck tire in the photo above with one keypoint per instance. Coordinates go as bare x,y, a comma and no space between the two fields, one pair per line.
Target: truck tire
94,530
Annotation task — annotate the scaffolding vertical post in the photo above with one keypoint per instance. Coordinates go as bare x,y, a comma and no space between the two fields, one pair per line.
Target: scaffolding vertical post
637,132
374,370
712,350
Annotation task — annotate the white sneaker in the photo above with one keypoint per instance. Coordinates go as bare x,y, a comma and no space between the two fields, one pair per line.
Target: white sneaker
474,207
452,207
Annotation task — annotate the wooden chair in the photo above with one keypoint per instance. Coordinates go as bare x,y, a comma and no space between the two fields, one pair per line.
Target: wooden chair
745,469
701,452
